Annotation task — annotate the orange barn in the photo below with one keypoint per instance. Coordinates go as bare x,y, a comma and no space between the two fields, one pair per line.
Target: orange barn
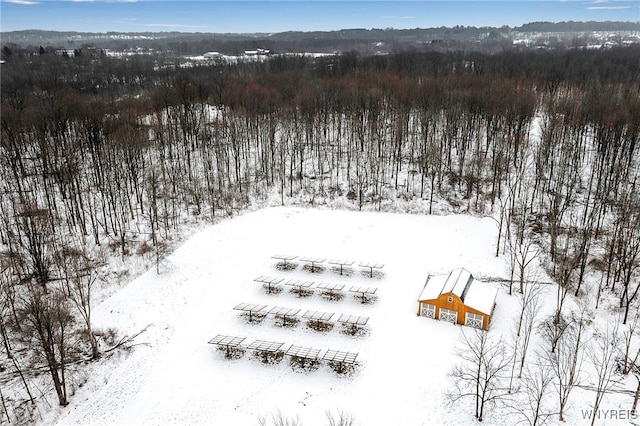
458,298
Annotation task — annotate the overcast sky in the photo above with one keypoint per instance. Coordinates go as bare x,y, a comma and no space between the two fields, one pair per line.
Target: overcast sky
304,15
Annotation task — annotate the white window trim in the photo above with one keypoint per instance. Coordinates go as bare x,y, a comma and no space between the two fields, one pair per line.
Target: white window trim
426,308
474,320
447,312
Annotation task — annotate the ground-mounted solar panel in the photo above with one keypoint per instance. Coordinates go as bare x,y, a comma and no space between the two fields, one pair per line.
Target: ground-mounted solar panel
364,290
371,266
253,309
299,284
365,294
229,344
318,315
286,262
284,257
342,264
303,352
331,291
353,319
340,356
330,286
269,280
313,259
271,284
228,341
284,312
313,264
249,307
265,346
269,352
301,288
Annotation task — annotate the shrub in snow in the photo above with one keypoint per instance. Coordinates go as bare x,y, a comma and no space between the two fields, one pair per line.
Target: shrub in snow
289,266
269,357
354,330
301,292
332,295
320,325
341,368
315,269
304,364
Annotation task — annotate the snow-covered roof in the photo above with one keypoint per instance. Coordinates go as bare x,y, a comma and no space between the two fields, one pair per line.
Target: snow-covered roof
459,279
473,293
481,297
433,287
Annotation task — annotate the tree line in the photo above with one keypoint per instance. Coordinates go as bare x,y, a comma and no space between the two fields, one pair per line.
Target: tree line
103,155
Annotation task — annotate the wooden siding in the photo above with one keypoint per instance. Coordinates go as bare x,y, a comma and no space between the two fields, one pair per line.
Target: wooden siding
457,305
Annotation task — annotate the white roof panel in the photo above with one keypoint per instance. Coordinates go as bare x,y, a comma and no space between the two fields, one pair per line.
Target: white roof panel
433,287
481,297
478,295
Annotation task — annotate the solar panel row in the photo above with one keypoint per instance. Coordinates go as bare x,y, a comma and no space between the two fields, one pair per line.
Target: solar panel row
294,350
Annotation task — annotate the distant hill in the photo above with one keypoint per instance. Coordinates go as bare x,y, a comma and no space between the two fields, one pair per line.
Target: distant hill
572,26
359,39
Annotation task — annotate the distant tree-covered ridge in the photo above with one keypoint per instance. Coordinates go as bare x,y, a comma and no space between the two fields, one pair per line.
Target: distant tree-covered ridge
374,40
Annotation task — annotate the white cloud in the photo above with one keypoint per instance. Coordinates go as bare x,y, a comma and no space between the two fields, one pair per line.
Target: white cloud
22,2
408,17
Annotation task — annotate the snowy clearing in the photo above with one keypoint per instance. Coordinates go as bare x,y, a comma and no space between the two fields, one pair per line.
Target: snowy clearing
176,377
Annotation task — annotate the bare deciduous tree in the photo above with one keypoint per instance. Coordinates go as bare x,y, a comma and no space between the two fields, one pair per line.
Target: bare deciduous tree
566,361
343,418
535,383
602,354
47,323
79,276
481,372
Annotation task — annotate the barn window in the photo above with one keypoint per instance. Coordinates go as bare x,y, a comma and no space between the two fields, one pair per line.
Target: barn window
447,315
473,320
428,310
449,299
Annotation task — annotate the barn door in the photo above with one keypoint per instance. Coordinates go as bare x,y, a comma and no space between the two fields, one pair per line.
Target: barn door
447,315
473,320
428,310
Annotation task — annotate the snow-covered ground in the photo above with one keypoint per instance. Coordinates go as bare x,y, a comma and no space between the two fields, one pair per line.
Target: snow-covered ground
176,377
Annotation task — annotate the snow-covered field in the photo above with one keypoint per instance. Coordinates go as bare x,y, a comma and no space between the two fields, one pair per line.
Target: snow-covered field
176,377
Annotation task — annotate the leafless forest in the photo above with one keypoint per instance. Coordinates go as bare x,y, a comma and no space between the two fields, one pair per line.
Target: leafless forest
107,155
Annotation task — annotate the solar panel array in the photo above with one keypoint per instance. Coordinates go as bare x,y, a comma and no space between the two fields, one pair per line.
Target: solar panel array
249,307
303,352
318,315
353,319
265,346
341,262
284,257
228,341
269,280
364,290
283,312
330,286
340,356
313,259
371,265
300,284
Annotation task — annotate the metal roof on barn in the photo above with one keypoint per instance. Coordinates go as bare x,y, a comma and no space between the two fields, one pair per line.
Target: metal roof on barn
473,293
